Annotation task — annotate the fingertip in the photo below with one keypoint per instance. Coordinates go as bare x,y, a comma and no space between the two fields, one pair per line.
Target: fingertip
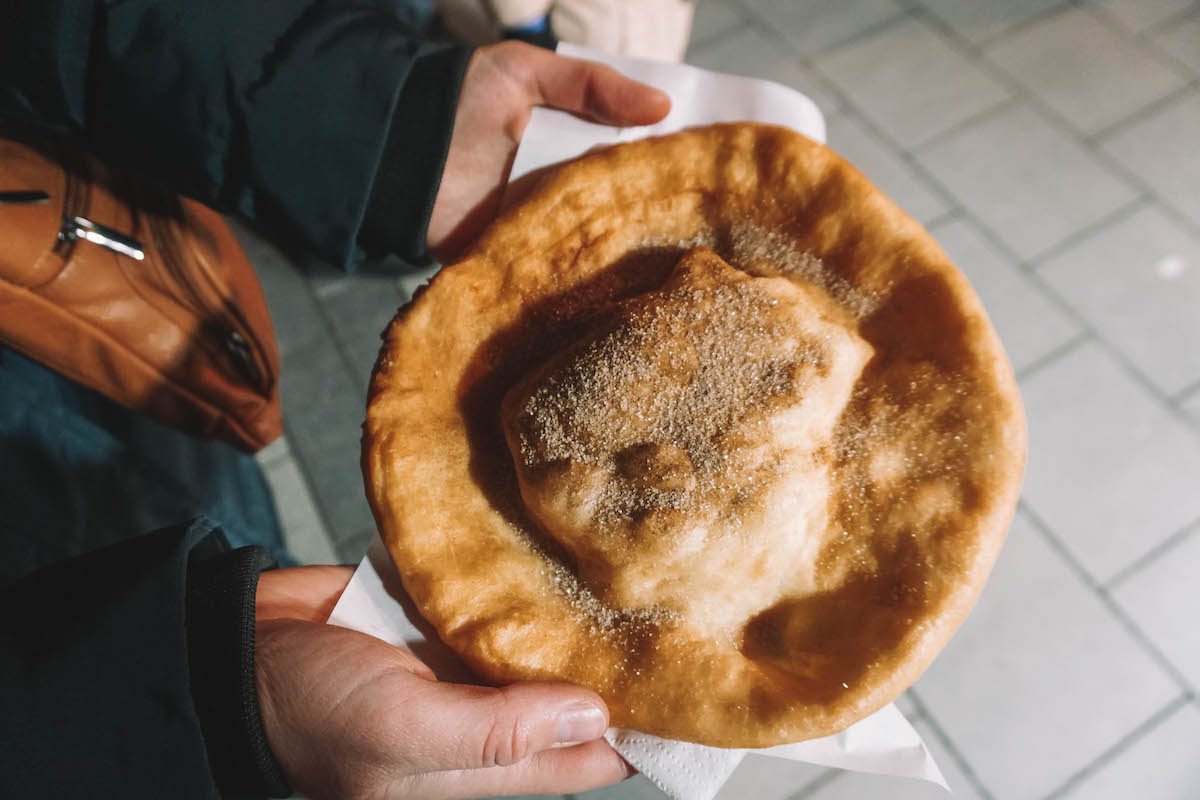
579,721
638,103
657,105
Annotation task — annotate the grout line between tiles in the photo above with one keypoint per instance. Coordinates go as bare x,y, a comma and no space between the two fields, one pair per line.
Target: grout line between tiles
1172,541
314,496
1051,116
1118,613
1016,28
1096,138
978,117
1054,355
1186,393
1126,742
764,25
818,783
1084,325
1114,217
1161,27
959,759
945,218
1147,38
1151,48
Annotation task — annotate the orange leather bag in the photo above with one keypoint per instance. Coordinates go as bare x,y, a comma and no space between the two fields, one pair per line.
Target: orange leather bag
145,297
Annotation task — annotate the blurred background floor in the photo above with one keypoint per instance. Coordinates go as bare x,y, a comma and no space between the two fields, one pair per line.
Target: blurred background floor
1054,150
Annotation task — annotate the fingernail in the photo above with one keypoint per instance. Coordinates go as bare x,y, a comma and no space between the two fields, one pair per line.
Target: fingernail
581,721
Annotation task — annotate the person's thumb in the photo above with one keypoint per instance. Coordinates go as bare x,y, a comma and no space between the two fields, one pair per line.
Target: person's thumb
484,727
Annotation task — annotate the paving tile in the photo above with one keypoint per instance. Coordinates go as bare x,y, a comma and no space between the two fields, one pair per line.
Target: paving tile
276,451
908,706
359,310
323,404
303,529
1031,184
1138,283
1191,406
811,26
1162,765
1017,688
885,168
352,548
769,779
1161,149
636,788
1030,326
749,52
412,279
910,82
294,312
858,785
1182,40
978,20
337,485
1089,74
1111,470
1162,598
714,18
1141,15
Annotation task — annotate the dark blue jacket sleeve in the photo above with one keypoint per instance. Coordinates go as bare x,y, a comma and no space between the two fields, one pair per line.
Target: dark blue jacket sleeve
119,669
279,111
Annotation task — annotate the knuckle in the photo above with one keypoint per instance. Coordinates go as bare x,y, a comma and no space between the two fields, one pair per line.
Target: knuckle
505,744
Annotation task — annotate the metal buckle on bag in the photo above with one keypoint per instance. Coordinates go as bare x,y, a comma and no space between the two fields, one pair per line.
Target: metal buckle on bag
81,228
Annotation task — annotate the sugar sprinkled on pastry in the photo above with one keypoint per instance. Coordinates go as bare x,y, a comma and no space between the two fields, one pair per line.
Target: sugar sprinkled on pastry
706,424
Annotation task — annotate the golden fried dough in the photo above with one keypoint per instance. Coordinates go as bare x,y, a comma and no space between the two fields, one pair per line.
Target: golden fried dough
707,424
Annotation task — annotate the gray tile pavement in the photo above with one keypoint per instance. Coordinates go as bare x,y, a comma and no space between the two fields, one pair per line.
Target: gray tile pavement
1055,150
856,786
1142,15
812,26
1055,59
1137,283
1016,689
1162,597
911,82
1160,765
1160,150
1030,183
886,168
1030,325
1181,40
979,20
758,54
1112,471
712,20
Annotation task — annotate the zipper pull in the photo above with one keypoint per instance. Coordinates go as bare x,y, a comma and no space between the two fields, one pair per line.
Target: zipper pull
82,228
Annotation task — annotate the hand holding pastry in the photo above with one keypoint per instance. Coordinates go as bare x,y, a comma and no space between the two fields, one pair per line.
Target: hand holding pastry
349,716
503,83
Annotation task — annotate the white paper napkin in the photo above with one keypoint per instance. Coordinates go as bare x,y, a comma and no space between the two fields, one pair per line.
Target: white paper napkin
375,601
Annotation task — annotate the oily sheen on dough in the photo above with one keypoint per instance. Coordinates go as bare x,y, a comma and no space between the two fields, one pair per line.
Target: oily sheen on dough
704,423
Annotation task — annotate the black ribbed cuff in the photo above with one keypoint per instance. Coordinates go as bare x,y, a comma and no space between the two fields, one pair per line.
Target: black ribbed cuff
410,168
220,625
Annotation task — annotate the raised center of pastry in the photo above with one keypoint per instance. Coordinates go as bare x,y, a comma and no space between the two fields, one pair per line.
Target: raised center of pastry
680,452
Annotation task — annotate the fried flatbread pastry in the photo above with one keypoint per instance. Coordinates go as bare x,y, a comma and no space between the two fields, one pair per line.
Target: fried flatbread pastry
707,424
